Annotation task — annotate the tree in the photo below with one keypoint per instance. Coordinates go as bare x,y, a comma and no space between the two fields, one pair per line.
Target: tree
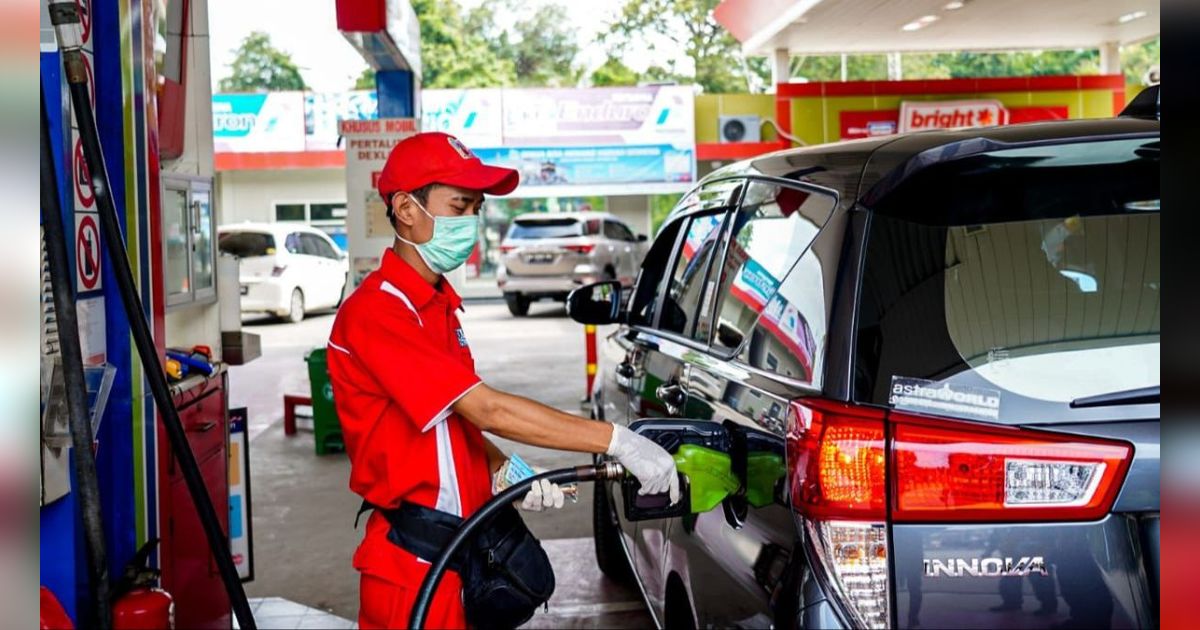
366,80
612,73
454,56
540,48
260,67
829,67
689,26
1138,59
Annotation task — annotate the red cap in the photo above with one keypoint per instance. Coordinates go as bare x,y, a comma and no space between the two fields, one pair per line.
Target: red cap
439,158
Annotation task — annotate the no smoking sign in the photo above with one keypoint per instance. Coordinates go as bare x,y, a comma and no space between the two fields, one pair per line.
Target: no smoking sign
87,252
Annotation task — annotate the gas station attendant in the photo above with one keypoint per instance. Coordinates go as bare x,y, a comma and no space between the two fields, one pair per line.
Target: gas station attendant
412,409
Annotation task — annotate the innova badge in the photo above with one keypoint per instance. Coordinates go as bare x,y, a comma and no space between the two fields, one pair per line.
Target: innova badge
986,567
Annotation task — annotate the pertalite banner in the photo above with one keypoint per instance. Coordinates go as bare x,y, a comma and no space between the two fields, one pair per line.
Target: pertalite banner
258,123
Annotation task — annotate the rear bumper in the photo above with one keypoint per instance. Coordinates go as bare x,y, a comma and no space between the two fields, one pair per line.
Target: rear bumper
560,284
265,296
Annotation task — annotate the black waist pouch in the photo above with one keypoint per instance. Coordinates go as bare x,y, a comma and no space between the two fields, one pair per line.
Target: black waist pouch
506,574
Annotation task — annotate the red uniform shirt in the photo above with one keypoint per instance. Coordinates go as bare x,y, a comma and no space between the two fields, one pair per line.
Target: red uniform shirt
398,361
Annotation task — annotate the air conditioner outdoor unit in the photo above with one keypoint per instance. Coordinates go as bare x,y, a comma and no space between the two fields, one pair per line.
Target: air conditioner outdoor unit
740,128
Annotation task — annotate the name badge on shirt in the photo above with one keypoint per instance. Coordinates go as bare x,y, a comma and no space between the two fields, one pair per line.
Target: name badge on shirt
462,337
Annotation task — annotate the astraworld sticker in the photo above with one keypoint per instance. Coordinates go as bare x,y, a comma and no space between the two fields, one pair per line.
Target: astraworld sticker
963,401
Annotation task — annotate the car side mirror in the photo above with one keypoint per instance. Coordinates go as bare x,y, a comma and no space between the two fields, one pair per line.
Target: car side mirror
598,303
642,238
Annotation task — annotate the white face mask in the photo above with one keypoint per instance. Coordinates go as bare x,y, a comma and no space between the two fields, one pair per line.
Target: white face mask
452,242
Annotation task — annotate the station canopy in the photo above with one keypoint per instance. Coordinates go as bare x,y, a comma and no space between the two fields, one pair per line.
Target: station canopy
804,27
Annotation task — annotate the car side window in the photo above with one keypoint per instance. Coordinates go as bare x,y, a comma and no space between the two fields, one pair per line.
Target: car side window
715,197
293,243
654,267
685,287
309,245
620,232
324,249
770,232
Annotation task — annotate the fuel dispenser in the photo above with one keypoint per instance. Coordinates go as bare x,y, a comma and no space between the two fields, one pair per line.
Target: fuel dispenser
129,225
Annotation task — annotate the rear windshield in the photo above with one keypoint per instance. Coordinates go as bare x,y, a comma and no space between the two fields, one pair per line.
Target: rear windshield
1003,286
545,228
246,244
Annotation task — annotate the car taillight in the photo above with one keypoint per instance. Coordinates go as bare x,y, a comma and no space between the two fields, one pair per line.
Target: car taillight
838,481
579,249
504,249
278,270
958,471
849,464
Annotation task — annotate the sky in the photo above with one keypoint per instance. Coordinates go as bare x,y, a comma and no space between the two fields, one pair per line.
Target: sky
307,29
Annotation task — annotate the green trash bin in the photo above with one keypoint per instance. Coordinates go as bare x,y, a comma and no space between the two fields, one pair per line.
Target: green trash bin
327,431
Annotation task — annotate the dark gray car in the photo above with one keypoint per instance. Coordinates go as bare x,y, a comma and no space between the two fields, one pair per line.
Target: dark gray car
946,347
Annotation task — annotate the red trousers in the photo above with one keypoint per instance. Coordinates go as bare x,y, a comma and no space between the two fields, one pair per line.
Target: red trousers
388,584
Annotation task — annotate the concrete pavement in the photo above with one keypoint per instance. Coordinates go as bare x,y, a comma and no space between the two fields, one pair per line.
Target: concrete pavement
303,512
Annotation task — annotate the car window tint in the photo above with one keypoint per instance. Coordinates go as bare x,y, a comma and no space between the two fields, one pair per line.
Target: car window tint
293,244
612,230
591,227
686,284
1031,273
324,249
622,233
650,279
771,230
545,228
246,244
310,245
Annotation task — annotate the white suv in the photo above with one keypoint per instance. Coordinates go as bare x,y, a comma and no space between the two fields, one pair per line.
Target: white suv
286,269
546,256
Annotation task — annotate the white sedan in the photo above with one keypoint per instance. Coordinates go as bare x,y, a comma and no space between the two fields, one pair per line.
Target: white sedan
286,269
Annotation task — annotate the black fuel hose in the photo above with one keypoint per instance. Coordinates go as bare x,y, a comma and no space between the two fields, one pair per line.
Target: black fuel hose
83,461
64,16
597,472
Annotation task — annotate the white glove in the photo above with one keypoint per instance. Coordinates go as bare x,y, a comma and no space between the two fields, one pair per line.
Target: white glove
650,463
543,494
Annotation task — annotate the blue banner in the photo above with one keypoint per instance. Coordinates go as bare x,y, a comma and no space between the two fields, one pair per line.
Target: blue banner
559,166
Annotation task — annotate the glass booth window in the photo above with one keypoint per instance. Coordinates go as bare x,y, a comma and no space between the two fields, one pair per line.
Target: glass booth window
188,237
202,229
175,242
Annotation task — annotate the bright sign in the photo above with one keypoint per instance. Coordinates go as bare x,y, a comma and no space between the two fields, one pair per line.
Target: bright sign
921,115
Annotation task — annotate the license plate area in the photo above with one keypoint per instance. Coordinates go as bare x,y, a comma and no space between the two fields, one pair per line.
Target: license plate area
245,290
541,258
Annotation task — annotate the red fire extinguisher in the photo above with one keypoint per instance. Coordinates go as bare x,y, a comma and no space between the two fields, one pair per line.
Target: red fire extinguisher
137,603
52,615
144,608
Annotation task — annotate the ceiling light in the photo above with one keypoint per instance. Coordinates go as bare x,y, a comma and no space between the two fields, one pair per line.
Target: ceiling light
919,23
955,5
1129,17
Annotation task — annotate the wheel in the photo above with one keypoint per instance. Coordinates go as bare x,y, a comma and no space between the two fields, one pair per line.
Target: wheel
518,304
609,274
295,311
606,532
